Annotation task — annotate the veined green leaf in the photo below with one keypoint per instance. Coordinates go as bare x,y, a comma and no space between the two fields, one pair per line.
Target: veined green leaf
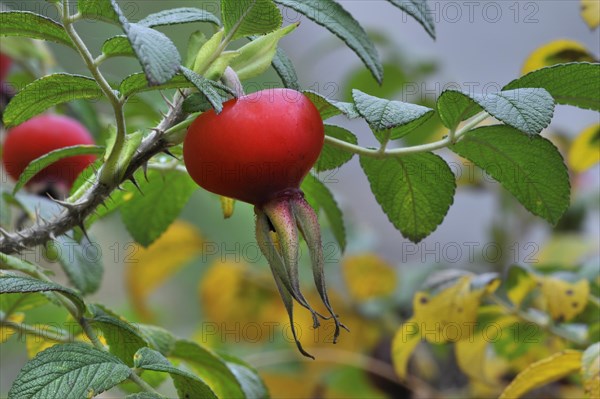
35,26
38,164
179,16
207,87
210,367
249,17
529,110
123,338
390,119
102,10
576,83
338,21
248,377
46,92
415,191
285,69
117,46
187,384
10,283
332,157
419,10
68,371
531,168
329,108
156,52
166,208
81,261
137,83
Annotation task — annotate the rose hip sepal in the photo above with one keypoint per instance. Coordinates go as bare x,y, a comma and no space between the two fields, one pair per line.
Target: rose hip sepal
258,150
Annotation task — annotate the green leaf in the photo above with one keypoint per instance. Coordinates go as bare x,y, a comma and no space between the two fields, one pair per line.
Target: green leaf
208,52
419,10
10,283
157,54
195,43
35,26
247,376
81,261
338,21
329,108
285,69
102,10
38,164
196,102
179,16
137,83
576,83
531,168
12,303
529,110
319,197
210,367
207,87
68,371
333,157
46,92
158,338
249,17
187,385
415,191
255,57
117,46
123,338
390,119
9,262
166,208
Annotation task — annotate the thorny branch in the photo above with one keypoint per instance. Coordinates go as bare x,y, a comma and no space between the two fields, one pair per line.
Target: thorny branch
74,215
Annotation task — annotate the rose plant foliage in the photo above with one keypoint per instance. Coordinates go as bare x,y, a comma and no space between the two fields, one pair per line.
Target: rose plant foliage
264,148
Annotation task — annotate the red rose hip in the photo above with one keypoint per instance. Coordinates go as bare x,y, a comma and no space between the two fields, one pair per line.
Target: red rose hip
258,150
41,135
259,146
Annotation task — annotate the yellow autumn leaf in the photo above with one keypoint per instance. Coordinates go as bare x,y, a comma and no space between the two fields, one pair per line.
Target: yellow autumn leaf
542,372
590,370
151,266
519,284
238,303
590,12
368,276
562,299
7,332
472,355
585,149
556,52
227,205
290,386
451,314
405,341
